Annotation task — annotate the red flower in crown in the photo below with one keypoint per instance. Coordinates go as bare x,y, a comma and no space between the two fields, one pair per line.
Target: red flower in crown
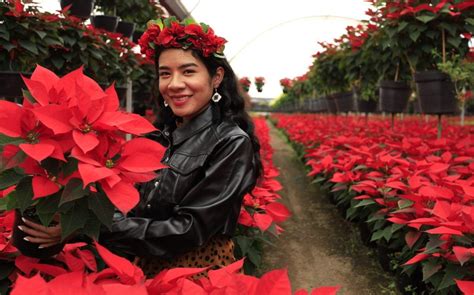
170,33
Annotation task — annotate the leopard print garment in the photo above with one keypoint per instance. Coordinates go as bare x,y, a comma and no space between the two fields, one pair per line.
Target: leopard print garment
217,253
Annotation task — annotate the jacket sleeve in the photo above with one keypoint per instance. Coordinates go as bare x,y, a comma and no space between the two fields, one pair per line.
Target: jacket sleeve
202,213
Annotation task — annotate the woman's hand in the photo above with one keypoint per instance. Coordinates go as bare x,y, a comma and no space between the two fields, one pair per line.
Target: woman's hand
46,236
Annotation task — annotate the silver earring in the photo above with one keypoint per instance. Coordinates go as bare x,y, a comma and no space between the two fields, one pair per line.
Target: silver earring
165,103
216,96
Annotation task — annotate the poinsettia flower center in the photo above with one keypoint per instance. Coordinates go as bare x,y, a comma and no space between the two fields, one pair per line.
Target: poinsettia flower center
109,163
86,128
32,137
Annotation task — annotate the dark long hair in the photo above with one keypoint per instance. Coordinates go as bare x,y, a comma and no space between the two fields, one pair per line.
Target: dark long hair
230,107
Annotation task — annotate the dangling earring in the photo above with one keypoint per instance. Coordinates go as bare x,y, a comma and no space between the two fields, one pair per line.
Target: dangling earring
165,103
216,96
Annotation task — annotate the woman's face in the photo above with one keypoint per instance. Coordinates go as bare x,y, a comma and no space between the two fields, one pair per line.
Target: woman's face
185,83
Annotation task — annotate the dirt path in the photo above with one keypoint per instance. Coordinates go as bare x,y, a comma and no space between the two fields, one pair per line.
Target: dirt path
318,247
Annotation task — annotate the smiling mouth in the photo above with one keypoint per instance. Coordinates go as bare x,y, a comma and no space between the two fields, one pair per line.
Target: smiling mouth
180,100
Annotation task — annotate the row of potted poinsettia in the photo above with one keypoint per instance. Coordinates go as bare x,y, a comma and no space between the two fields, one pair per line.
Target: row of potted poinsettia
261,212
245,83
403,43
63,43
411,193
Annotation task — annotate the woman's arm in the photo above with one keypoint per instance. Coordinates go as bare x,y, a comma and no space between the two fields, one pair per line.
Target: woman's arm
202,212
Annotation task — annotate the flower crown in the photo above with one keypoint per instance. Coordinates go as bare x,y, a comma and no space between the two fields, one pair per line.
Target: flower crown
171,33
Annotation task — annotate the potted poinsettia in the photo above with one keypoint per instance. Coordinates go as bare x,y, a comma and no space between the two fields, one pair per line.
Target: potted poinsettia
65,157
245,83
22,45
259,82
421,27
285,84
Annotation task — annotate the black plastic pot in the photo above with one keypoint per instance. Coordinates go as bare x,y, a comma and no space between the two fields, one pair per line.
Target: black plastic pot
12,85
436,92
344,102
122,95
105,22
331,104
366,106
137,35
394,96
125,28
79,8
27,248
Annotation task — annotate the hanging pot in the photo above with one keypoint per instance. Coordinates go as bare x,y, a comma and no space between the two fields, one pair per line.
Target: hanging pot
12,85
105,22
27,248
366,106
394,96
436,92
122,94
79,8
125,28
137,35
344,102
331,104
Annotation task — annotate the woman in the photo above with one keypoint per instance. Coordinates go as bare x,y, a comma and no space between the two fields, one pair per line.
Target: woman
188,214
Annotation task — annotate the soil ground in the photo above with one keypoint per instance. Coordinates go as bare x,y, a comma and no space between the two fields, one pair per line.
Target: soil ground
319,247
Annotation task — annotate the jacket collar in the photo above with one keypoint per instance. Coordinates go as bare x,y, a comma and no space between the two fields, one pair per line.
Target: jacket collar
198,123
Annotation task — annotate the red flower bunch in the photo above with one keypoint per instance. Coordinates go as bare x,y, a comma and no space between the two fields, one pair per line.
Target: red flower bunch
286,82
259,82
170,33
66,146
77,272
245,83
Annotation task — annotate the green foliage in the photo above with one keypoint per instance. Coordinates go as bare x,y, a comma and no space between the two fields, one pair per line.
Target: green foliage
135,11
461,73
25,40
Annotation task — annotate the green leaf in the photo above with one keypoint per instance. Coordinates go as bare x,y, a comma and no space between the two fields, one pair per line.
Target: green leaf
6,268
396,227
102,208
414,35
47,207
41,34
364,203
57,62
74,218
9,177
402,25
403,203
377,235
426,18
433,244
70,167
73,191
28,45
254,256
244,243
9,46
92,226
387,233
23,194
454,41
28,96
4,140
451,272
430,268
318,179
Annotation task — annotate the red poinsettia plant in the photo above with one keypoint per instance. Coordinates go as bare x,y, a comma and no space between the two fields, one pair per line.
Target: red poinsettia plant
259,82
64,152
245,83
286,84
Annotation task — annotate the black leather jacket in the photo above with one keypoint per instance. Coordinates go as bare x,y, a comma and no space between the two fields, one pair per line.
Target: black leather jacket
211,168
